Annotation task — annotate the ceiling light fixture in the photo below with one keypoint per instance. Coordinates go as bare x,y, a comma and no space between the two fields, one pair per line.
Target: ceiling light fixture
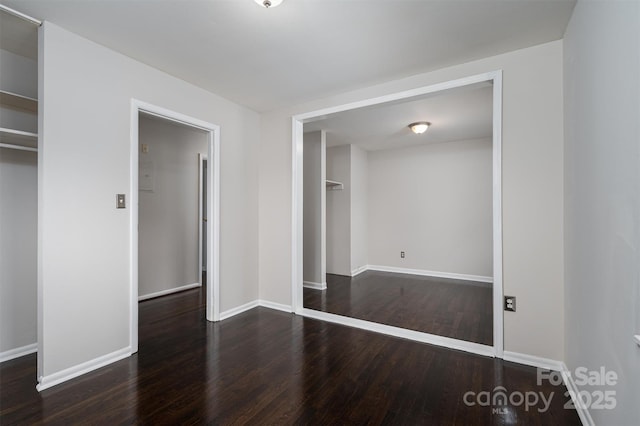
268,3
419,127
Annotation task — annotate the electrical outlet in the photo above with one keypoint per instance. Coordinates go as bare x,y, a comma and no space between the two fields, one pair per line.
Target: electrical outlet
120,201
402,255
510,303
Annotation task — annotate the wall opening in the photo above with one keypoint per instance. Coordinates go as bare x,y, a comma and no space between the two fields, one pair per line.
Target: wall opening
156,177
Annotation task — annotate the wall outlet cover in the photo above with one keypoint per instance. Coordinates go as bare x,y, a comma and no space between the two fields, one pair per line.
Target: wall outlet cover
510,303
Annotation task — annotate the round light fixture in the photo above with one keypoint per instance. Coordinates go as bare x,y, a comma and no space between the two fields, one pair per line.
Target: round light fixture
419,127
268,3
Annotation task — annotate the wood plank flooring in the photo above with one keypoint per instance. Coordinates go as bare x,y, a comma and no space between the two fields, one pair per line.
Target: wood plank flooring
452,308
266,367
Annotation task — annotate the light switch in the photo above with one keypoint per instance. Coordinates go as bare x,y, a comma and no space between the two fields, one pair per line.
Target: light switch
120,201
145,148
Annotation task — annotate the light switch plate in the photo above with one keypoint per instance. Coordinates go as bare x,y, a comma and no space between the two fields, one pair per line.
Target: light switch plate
120,201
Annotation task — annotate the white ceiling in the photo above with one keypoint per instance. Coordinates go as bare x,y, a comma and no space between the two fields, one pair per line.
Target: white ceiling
455,115
304,49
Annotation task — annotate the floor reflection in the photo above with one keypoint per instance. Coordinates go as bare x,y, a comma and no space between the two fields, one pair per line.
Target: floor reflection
452,308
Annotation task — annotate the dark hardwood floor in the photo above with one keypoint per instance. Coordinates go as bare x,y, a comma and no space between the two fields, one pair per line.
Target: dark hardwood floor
266,367
452,308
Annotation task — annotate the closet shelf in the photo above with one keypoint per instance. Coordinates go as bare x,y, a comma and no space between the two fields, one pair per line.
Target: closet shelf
333,185
18,138
20,102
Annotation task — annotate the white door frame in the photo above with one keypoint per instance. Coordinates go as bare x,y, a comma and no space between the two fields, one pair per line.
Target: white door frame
213,209
497,350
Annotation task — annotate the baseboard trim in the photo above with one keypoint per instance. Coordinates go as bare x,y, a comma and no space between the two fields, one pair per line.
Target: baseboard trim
277,306
238,310
313,285
574,391
567,378
168,291
432,339
254,304
45,382
18,352
359,270
437,274
534,361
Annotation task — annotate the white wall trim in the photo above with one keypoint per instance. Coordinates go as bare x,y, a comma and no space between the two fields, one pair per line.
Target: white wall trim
254,304
45,382
534,361
493,77
389,330
18,352
359,270
498,291
168,291
315,286
574,391
423,272
213,209
238,310
297,214
275,306
554,365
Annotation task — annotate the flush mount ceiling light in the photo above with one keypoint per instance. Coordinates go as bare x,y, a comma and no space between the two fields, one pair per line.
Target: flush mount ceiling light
268,3
419,127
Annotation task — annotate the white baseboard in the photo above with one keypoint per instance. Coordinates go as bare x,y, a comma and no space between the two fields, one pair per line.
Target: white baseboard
18,352
46,382
553,365
438,274
359,270
583,412
315,286
254,304
276,306
168,291
238,310
417,336
534,361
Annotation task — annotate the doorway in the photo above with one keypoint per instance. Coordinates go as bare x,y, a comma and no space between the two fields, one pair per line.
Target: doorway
202,214
208,256
491,80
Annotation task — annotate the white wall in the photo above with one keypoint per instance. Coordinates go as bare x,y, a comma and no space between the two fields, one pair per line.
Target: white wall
18,251
314,208
339,211
168,216
434,202
18,74
532,190
602,198
84,265
359,208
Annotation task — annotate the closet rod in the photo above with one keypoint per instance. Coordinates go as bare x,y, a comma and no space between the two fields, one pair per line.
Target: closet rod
20,15
19,147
